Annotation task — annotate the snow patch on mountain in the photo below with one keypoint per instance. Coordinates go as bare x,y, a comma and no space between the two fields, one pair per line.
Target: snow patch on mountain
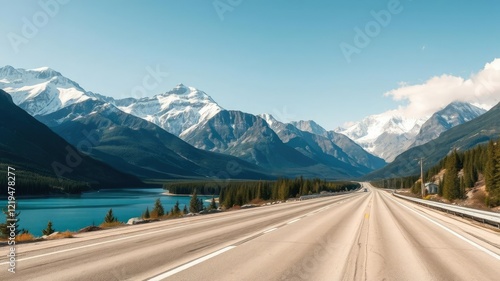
177,111
385,135
41,91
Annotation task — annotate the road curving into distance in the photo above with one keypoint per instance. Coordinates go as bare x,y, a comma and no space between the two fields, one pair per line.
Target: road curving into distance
359,236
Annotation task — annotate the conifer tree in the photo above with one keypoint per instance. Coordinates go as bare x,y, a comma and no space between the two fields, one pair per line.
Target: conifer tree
110,218
176,211
200,205
441,187
213,205
193,203
49,230
489,172
158,208
492,175
451,189
258,194
146,213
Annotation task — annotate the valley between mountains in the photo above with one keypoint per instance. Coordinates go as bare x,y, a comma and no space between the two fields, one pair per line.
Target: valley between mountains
184,134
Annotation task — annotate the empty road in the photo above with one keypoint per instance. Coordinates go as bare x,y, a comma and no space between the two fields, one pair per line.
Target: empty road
360,236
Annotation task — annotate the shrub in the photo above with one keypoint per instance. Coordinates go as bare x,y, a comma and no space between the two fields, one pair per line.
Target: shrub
25,237
111,224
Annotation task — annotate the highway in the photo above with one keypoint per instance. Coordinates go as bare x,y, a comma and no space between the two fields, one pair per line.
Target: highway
359,236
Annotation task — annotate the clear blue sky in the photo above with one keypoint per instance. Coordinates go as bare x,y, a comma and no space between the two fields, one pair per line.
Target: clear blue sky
281,57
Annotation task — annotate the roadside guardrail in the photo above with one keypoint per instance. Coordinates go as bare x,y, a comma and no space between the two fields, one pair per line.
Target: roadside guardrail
486,217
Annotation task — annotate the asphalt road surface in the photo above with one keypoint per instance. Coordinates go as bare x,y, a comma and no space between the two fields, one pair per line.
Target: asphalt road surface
360,236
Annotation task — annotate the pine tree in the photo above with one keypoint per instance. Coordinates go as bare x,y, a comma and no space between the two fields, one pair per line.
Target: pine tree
258,194
451,189
193,203
185,210
468,171
200,205
283,190
146,214
158,208
176,211
213,205
489,172
494,188
110,218
441,187
417,187
49,230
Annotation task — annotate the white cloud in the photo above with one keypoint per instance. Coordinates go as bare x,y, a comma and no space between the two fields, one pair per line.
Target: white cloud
481,89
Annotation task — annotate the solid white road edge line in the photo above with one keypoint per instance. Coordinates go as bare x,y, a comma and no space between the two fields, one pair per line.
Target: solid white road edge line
190,264
479,247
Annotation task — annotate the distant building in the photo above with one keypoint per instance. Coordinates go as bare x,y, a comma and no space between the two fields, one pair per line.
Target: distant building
431,188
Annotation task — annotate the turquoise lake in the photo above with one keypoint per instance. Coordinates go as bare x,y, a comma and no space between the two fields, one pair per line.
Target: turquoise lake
76,212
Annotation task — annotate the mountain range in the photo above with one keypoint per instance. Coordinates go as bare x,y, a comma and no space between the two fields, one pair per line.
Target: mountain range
389,134
145,137
30,146
184,133
456,113
461,137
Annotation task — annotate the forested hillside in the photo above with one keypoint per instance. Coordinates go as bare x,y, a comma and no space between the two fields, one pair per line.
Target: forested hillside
462,170
242,192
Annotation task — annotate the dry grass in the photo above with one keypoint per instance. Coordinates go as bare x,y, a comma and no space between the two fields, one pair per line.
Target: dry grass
25,237
111,224
476,198
257,202
235,208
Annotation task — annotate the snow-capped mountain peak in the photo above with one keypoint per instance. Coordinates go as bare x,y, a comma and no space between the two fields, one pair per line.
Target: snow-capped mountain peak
180,89
177,111
44,72
270,120
458,112
452,115
311,127
385,135
390,133
41,91
8,71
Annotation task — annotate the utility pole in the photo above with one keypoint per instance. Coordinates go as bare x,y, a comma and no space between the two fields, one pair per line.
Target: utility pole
422,186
